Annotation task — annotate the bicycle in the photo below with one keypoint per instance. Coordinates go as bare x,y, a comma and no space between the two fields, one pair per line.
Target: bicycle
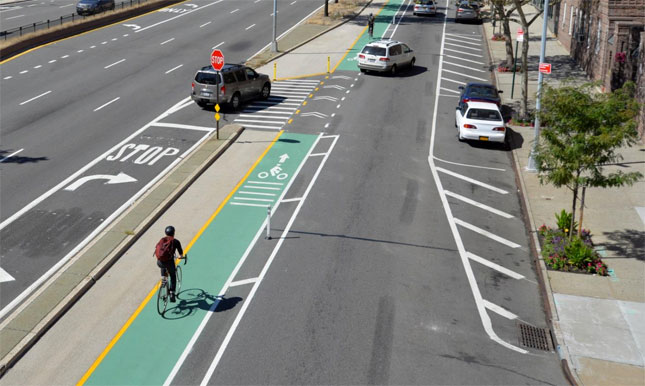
163,295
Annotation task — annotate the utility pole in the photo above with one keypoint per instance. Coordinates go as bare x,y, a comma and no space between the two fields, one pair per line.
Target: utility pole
531,166
326,8
274,43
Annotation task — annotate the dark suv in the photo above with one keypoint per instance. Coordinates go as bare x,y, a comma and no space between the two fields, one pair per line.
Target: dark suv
89,7
235,82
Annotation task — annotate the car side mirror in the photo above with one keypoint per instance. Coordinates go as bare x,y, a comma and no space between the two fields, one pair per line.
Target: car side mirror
500,91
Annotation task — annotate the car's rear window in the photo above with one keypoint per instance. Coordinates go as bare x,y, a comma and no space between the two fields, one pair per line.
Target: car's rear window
206,78
483,92
425,2
372,50
484,115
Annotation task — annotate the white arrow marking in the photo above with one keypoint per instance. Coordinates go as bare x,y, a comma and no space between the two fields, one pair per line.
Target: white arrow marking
314,114
283,158
335,86
275,170
118,179
4,276
133,26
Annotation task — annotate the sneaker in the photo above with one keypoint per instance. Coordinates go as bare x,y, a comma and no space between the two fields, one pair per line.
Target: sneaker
172,296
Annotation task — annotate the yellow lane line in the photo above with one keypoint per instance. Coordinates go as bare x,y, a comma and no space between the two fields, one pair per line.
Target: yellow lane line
152,292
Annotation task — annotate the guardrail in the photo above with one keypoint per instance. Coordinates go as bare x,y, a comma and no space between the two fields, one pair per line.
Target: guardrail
45,25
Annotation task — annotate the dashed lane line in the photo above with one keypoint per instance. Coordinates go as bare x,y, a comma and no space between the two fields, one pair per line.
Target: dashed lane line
106,104
173,69
114,64
34,98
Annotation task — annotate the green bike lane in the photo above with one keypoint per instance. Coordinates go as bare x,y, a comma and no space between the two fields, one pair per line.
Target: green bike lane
383,20
149,345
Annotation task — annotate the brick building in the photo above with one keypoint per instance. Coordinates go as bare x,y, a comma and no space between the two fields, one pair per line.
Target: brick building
606,38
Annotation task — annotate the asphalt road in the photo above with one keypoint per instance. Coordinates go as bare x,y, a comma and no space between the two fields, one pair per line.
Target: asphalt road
67,106
21,13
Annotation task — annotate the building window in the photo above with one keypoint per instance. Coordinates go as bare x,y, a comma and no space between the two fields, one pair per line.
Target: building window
573,12
598,35
564,15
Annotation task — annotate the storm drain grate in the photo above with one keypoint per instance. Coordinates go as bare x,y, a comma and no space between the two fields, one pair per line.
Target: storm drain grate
534,337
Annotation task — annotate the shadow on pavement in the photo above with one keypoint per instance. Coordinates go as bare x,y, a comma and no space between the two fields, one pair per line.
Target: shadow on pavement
193,299
626,243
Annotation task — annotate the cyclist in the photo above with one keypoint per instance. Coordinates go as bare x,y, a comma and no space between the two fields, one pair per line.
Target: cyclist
370,25
165,254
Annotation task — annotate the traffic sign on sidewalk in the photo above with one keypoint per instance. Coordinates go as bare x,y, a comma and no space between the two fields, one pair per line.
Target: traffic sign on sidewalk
545,68
217,60
520,35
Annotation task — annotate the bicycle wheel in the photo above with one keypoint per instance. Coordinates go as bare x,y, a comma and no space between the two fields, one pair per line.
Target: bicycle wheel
178,276
162,297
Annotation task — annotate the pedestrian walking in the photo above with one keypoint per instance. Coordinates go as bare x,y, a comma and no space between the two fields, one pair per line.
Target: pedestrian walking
370,25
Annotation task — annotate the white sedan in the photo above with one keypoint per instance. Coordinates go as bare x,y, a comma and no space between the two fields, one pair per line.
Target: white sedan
481,121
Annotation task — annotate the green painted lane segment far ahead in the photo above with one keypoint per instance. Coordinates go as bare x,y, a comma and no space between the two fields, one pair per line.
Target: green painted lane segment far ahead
149,348
383,20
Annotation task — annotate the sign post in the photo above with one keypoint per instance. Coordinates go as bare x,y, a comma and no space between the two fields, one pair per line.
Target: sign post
217,62
519,38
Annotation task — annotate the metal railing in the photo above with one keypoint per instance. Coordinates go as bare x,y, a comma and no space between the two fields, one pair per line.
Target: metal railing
50,23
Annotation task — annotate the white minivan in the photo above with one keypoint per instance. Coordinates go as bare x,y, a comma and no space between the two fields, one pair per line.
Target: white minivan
385,55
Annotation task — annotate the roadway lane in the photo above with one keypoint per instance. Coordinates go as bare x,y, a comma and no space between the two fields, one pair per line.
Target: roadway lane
17,14
368,286
98,89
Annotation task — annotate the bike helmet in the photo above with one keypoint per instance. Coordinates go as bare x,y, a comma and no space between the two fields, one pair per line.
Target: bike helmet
170,230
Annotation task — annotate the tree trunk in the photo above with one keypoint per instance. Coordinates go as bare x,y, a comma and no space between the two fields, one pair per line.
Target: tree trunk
509,42
582,210
576,186
525,60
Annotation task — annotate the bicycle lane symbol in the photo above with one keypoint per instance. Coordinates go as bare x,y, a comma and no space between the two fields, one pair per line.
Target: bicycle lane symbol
276,171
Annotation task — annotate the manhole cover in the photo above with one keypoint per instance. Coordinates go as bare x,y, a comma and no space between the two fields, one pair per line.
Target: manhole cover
534,337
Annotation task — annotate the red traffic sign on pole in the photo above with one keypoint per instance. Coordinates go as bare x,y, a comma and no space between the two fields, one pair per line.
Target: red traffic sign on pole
520,35
217,60
545,68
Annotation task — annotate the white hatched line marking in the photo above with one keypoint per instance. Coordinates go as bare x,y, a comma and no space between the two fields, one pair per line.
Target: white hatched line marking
114,64
461,65
257,121
296,199
173,69
181,126
486,233
258,193
261,116
284,86
249,27
472,181
275,104
243,282
110,102
478,204
247,204
260,187
476,38
4,276
270,108
465,60
464,47
499,310
463,42
292,99
263,127
317,154
470,166
494,266
300,81
467,76
253,199
265,183
449,96
264,111
449,90
453,81
167,41
463,53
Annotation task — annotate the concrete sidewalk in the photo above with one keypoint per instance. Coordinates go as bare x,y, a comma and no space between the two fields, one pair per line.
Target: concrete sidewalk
598,321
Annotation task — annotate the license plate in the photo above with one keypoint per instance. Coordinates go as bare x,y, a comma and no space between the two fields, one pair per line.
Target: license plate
370,60
206,93
483,138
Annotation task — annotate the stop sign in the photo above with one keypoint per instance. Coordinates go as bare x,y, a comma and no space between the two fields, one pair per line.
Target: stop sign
217,60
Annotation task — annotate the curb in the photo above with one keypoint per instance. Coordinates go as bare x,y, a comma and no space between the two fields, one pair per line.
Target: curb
545,285
68,301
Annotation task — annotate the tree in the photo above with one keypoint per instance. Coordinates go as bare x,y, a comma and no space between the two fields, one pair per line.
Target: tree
582,131
504,15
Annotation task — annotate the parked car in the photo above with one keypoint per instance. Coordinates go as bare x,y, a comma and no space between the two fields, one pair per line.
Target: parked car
90,7
385,55
480,92
480,121
424,7
236,83
466,12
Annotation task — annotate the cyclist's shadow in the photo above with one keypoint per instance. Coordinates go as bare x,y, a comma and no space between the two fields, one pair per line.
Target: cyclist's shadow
193,299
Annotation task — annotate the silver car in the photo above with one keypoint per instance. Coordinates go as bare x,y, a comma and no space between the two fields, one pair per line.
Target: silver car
385,55
236,83
466,11
424,7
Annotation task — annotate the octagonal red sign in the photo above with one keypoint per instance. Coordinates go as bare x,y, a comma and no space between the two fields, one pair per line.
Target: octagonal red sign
217,60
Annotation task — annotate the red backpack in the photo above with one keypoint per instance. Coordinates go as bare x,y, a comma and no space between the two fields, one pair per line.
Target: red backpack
164,249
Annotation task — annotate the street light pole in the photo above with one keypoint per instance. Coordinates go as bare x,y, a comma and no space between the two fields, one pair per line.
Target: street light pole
274,43
531,166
